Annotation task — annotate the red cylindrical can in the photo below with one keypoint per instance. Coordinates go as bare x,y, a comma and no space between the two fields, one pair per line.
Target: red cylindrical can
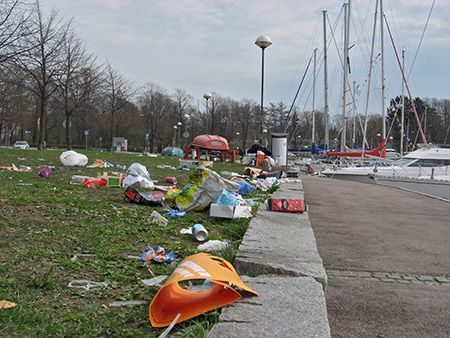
171,180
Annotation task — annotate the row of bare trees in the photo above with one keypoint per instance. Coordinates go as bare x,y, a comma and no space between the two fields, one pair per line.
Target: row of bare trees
53,91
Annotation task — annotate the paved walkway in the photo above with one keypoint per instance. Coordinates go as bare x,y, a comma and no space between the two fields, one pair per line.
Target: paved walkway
387,256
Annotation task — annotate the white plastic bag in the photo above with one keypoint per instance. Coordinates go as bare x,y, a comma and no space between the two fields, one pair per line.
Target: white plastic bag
138,176
71,158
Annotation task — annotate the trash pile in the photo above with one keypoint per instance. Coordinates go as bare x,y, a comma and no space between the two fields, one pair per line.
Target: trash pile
200,282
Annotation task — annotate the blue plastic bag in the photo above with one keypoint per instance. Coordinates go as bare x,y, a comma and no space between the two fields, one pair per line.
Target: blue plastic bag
245,187
227,198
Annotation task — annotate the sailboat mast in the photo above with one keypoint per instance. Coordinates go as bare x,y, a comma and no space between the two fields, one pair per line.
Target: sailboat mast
402,127
366,112
327,135
354,114
383,87
345,80
313,136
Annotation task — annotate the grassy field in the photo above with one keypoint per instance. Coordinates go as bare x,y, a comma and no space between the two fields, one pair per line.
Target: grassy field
44,223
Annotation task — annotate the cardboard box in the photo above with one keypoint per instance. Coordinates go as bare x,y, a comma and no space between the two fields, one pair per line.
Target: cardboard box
225,211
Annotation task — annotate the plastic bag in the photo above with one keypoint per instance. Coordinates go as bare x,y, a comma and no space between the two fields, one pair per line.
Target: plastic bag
158,219
71,158
227,198
245,187
95,183
204,186
138,176
45,172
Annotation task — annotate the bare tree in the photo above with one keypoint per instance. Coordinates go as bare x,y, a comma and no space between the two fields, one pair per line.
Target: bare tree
154,105
41,60
78,79
13,15
118,92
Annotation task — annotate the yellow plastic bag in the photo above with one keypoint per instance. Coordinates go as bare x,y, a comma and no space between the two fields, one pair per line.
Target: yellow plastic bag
172,299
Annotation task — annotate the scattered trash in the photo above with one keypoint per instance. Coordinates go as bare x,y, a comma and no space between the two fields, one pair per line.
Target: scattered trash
165,166
252,172
204,187
245,187
106,164
71,158
226,211
127,303
198,231
21,168
189,164
95,183
156,218
75,257
134,257
290,180
157,255
6,304
113,180
213,245
170,327
171,180
286,205
24,184
176,213
79,179
172,299
154,281
164,188
229,174
86,284
155,198
147,154
45,172
226,198
138,176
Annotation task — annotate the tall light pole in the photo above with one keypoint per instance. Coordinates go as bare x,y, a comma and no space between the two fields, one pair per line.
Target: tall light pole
207,96
179,134
263,41
174,135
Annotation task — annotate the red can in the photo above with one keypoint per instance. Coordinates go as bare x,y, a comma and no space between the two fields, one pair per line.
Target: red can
171,180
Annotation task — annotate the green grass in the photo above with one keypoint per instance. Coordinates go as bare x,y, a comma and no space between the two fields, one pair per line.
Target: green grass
43,223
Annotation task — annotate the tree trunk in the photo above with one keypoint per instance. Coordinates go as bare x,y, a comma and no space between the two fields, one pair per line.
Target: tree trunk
68,138
42,121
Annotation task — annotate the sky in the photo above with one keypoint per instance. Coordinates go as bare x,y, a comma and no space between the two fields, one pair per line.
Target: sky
208,46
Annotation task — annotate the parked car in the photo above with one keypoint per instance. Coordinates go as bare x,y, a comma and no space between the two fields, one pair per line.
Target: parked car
21,145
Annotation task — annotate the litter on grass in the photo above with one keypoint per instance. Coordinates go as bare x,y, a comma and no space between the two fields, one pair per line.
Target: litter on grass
213,245
106,164
154,281
137,176
120,303
156,218
71,158
81,255
86,284
157,255
6,304
45,172
173,299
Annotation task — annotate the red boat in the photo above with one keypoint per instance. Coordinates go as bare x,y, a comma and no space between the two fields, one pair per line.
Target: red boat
379,151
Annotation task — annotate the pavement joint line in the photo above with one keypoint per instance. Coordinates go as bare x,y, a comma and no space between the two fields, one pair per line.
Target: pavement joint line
388,277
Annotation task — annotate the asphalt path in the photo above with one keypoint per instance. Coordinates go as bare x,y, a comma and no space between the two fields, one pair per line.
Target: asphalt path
387,255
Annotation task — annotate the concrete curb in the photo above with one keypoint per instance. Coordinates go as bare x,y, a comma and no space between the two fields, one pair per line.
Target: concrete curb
279,259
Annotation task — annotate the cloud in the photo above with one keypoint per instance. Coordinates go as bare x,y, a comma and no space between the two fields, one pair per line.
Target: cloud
202,45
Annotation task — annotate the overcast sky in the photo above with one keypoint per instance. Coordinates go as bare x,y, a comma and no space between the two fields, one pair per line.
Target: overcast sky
208,45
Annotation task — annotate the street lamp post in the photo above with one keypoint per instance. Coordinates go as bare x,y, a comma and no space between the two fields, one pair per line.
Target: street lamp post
263,41
174,141
179,133
207,96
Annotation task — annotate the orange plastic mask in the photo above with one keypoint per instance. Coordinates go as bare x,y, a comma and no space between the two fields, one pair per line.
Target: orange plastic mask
172,299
